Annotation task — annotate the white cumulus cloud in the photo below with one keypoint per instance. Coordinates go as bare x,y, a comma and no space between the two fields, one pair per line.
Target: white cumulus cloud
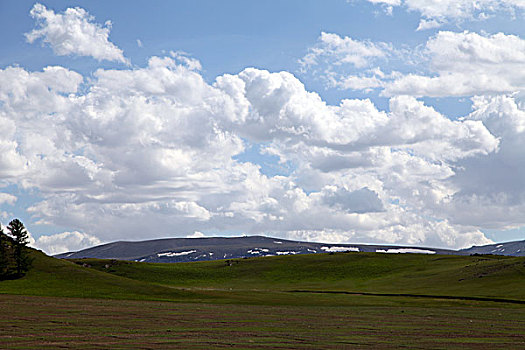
7,198
65,242
449,64
74,32
466,64
435,13
152,152
196,234
492,188
347,50
345,62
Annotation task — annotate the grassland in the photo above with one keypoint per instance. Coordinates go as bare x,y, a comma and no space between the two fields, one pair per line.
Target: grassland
445,275
371,322
255,303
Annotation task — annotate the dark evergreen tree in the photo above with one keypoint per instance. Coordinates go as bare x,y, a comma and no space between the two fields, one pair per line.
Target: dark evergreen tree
20,239
4,259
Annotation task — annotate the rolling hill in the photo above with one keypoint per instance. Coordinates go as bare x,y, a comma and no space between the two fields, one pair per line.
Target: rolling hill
394,274
216,248
62,278
173,250
266,278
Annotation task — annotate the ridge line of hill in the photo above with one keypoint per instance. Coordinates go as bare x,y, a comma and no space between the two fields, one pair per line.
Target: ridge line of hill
171,250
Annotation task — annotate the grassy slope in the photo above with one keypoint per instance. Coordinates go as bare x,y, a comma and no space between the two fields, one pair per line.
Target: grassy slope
55,277
469,276
465,276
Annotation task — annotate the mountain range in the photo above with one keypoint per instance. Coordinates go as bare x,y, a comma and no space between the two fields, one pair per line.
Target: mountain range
171,250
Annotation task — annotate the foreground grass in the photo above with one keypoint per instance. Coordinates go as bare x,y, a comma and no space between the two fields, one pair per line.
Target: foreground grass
371,322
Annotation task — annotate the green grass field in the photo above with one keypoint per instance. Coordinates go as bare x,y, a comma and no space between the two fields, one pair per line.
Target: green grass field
413,301
447,275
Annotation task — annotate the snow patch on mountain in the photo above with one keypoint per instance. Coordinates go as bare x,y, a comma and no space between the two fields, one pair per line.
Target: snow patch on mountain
172,254
406,250
258,251
340,249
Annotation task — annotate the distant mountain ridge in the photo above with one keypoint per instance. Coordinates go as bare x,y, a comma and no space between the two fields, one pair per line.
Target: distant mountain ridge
170,250
516,248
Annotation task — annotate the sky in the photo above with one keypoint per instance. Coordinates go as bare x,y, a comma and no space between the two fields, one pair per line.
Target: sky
363,121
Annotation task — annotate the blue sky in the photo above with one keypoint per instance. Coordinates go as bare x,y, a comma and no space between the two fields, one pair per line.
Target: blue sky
385,121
